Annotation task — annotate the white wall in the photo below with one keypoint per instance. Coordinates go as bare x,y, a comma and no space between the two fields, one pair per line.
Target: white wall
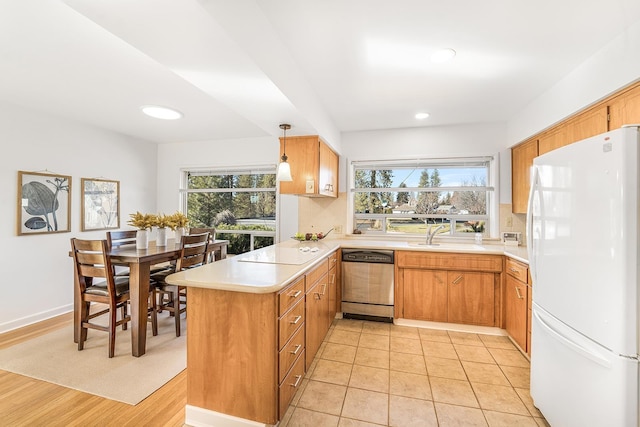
37,276
616,65
172,158
424,142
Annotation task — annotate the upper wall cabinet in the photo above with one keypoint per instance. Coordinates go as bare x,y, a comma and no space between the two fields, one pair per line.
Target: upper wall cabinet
521,161
625,108
314,167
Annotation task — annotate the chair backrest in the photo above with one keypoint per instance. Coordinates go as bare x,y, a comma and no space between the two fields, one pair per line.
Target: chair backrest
92,262
199,230
193,251
121,238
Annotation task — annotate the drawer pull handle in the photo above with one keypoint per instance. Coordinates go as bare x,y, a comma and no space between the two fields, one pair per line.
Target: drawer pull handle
518,293
457,280
298,378
319,295
514,270
296,320
295,294
298,347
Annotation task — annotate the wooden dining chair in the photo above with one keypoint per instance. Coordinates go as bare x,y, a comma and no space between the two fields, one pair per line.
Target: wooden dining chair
193,253
97,284
212,237
118,238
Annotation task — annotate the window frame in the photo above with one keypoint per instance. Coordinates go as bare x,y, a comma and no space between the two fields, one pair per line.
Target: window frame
491,217
184,192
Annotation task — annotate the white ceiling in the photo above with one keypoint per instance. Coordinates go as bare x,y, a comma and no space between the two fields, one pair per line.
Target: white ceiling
238,68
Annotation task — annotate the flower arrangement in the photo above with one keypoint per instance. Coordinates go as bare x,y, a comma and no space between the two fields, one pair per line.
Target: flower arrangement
141,221
178,220
161,220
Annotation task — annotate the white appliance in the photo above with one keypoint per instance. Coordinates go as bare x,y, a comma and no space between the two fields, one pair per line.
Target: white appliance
582,226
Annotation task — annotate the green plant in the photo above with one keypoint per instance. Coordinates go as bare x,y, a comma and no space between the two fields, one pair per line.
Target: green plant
141,221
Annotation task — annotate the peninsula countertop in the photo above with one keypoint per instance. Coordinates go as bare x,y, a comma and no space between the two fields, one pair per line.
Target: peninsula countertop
272,268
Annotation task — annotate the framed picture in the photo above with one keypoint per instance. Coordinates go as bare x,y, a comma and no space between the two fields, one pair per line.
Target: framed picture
100,204
44,203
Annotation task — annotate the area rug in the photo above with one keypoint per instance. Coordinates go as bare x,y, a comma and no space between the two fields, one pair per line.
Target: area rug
55,358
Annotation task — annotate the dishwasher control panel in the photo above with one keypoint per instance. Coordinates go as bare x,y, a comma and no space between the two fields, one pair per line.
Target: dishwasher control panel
358,255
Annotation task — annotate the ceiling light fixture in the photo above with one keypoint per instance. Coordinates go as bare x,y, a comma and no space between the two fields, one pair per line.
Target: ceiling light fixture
443,55
159,112
422,116
284,169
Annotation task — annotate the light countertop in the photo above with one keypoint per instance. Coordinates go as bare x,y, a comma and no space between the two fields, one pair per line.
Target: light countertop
270,269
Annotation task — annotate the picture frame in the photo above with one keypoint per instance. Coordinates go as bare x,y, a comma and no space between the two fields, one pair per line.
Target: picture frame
100,201
44,203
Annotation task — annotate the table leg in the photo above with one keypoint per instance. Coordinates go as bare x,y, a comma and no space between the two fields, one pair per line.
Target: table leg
139,294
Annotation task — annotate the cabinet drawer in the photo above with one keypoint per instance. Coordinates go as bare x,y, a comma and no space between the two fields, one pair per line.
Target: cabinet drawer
333,260
518,270
290,353
314,275
289,323
290,385
449,261
290,296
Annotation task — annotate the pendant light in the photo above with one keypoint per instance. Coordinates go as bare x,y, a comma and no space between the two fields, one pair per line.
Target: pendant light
284,170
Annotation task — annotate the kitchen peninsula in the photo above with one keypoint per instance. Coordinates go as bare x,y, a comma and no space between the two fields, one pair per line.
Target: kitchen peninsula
255,322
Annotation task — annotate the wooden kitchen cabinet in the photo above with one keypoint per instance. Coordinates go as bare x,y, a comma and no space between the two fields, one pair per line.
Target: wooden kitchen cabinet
448,287
333,285
590,123
552,139
516,303
471,298
624,109
317,310
521,162
425,294
314,167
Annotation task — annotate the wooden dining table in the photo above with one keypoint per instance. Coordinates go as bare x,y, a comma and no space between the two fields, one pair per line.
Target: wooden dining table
139,262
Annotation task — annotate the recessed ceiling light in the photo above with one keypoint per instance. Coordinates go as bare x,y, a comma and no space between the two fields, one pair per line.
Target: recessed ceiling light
422,116
443,55
163,113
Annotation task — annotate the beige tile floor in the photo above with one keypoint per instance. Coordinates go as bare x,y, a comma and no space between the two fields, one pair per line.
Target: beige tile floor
372,374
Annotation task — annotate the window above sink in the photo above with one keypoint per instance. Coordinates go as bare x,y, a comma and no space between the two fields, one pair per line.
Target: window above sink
407,197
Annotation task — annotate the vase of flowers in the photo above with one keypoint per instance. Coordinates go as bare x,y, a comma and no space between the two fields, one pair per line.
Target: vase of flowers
162,222
179,222
143,222
478,229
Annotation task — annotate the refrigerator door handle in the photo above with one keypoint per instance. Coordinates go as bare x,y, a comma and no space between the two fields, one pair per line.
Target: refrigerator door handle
569,343
535,184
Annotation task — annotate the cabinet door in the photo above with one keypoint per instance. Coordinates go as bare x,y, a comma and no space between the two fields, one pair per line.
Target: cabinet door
333,293
624,109
425,294
303,155
328,177
471,298
317,308
553,139
515,300
521,161
588,124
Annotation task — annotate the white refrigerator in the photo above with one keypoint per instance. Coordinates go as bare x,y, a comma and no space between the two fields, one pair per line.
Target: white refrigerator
582,226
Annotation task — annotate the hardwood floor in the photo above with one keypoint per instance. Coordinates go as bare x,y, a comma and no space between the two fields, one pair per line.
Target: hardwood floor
29,402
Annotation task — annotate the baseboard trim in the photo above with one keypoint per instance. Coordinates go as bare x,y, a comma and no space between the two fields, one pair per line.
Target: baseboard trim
35,318
473,329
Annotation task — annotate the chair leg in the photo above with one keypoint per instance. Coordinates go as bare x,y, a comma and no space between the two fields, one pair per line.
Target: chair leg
154,314
112,330
84,317
124,316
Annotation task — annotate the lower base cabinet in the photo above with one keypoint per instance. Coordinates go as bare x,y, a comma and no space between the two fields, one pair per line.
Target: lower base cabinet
448,287
517,303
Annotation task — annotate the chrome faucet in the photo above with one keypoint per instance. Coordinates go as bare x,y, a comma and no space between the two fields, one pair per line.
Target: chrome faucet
431,233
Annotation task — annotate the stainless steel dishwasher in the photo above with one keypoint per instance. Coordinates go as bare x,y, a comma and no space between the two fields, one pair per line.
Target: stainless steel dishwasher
367,284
